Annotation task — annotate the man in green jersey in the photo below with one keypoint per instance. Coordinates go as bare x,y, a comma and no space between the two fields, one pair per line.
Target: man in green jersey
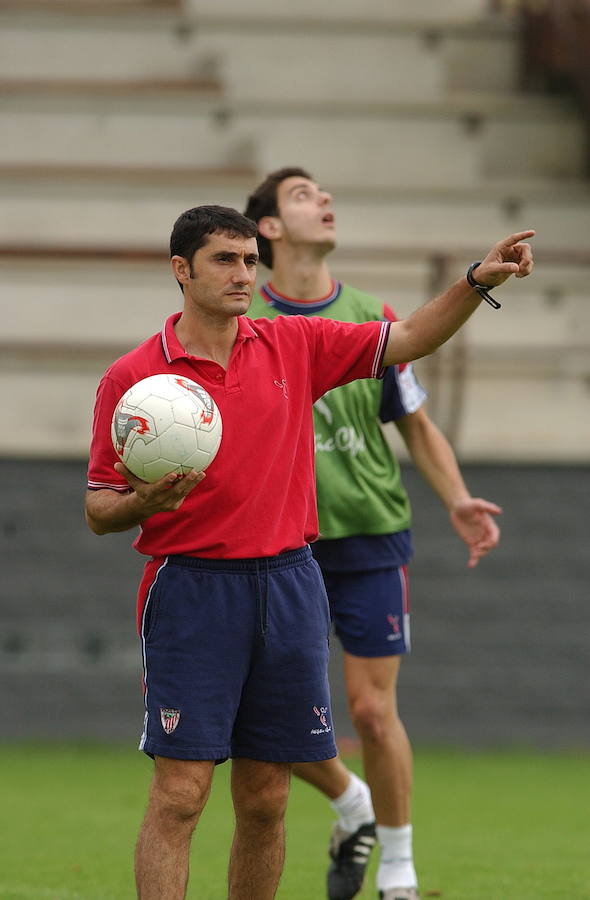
365,541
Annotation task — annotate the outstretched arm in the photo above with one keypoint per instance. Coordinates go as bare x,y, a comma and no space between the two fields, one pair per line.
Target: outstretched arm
433,456
435,322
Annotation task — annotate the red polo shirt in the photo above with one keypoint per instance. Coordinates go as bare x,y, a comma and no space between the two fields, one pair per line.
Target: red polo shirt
258,498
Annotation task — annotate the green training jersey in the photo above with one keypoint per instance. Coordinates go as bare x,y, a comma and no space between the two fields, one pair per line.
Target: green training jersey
359,487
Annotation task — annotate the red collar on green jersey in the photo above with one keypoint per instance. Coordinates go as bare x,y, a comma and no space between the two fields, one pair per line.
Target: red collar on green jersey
291,307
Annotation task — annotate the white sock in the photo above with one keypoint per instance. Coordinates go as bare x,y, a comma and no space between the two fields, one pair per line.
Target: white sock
396,866
354,806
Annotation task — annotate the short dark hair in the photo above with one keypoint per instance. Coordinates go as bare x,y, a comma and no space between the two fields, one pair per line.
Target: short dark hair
192,228
263,202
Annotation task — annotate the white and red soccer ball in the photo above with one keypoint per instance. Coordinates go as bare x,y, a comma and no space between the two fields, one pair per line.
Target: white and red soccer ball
166,423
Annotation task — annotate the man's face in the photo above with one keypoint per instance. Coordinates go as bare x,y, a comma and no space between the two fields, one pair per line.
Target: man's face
306,214
223,274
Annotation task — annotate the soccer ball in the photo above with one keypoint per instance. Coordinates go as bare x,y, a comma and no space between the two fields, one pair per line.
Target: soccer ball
166,423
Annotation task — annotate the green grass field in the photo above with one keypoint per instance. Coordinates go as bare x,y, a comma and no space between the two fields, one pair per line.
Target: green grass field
486,827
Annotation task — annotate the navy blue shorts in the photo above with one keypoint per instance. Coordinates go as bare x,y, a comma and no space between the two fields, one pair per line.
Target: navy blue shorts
235,659
371,611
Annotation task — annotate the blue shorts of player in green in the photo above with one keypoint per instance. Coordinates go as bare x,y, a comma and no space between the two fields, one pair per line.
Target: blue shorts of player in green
369,599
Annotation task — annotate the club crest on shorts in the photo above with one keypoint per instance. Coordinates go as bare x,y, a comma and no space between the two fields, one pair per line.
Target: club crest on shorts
169,719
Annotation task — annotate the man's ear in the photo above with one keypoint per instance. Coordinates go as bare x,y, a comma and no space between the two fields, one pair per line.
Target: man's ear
270,227
181,269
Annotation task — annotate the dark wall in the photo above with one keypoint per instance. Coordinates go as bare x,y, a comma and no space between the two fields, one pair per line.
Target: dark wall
500,654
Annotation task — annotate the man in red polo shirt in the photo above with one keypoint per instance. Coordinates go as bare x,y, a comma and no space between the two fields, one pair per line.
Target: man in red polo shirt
232,610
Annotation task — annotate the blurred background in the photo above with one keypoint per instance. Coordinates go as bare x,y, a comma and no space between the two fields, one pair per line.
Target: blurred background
440,127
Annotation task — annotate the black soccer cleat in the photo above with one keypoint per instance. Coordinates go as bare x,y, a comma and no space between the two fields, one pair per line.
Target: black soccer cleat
350,857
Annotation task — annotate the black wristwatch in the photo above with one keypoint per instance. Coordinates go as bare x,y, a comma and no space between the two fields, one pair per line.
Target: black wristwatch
482,289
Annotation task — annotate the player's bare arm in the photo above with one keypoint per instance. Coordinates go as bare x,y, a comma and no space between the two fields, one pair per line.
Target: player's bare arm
110,511
435,322
471,517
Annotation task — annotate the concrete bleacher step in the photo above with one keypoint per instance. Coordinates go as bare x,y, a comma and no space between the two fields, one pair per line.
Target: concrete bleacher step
69,307
439,64
77,301
345,10
73,300
70,317
465,217
491,409
53,7
503,414
446,144
451,143
518,412
128,128
93,206
391,62
263,59
129,45
280,11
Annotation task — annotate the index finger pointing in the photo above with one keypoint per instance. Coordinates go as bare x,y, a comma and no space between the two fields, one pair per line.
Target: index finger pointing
515,238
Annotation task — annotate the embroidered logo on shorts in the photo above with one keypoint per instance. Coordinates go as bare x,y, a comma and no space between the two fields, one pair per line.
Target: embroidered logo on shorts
396,632
169,719
321,714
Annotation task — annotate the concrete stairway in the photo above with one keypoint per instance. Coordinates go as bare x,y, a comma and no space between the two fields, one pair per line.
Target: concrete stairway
116,116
